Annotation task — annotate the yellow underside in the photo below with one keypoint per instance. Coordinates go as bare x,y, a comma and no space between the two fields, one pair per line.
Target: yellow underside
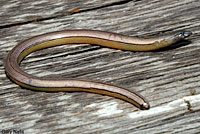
88,40
102,92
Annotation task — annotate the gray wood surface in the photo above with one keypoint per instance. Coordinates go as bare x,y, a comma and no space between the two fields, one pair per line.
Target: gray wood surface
169,78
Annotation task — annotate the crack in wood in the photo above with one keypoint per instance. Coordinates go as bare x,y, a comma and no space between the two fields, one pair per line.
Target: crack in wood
58,15
188,105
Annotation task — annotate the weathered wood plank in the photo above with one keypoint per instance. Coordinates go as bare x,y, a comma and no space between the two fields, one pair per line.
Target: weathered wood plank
24,12
169,79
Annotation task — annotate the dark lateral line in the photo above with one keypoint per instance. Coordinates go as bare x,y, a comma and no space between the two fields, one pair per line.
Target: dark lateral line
63,14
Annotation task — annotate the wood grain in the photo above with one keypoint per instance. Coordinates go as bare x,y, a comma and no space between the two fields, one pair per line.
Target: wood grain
168,78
